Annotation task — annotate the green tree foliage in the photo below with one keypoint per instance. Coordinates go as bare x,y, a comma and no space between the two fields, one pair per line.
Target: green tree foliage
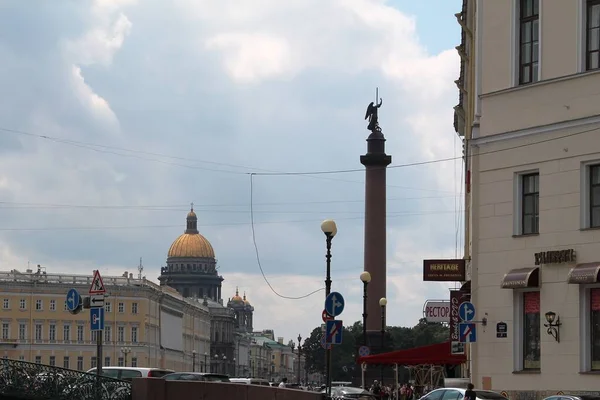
344,365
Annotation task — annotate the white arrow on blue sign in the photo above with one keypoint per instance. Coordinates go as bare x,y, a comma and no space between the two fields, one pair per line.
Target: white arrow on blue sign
466,311
333,335
468,332
73,300
334,304
97,319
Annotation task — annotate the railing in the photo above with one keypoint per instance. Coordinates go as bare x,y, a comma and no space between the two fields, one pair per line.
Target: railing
25,380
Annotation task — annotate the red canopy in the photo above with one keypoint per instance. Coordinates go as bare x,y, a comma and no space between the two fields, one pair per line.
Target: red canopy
435,354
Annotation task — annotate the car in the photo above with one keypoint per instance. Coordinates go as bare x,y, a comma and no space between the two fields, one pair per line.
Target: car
128,373
251,381
459,394
351,393
571,397
196,376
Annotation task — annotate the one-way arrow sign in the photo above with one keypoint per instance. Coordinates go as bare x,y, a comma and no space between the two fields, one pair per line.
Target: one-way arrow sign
97,301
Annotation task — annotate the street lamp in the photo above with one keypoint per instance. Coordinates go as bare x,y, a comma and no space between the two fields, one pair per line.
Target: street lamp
193,360
365,277
234,366
382,304
299,354
205,356
125,351
216,363
329,228
224,364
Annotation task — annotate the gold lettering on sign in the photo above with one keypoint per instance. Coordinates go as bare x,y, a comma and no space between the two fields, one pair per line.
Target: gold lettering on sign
555,257
444,267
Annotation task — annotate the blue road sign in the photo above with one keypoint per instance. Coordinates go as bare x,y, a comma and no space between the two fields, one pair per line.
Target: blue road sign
73,300
97,318
364,351
467,332
333,333
323,344
466,311
334,304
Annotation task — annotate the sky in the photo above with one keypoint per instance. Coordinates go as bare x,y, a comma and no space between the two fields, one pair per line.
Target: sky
117,114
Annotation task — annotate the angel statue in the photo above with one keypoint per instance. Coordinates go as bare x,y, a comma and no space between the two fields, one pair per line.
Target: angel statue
372,116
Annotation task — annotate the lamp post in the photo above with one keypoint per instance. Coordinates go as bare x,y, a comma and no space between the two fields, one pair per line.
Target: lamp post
215,369
299,354
329,228
125,351
234,366
193,360
224,364
382,304
205,356
365,277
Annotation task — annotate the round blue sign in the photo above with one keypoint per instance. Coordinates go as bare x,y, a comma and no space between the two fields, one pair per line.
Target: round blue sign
73,300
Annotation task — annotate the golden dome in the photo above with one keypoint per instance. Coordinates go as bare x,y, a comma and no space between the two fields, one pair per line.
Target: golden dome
246,302
237,298
191,244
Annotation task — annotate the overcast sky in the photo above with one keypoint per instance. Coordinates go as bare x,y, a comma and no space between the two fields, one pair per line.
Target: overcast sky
116,114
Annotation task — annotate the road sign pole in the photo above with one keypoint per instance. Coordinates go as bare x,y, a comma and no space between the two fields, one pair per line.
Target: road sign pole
98,364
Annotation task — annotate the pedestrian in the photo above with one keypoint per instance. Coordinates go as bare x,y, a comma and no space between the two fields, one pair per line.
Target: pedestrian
470,393
284,381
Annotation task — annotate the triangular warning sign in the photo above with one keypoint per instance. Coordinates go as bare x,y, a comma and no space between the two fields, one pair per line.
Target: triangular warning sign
97,284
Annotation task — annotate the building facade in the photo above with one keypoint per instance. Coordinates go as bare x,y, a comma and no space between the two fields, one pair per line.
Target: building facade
533,158
145,325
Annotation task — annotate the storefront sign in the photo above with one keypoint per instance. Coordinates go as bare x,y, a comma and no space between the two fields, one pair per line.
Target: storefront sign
444,270
501,330
437,311
555,257
456,298
585,273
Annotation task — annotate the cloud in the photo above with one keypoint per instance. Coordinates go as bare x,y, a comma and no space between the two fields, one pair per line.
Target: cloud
148,114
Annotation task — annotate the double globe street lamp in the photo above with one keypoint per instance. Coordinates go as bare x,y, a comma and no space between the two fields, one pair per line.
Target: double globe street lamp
365,277
329,228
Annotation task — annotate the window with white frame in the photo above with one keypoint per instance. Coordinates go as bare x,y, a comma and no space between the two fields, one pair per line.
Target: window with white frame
80,337
66,333
66,362
79,363
6,304
120,333
107,361
107,334
590,195
120,362
39,305
527,203
22,304
52,305
134,308
134,334
121,308
134,362
93,362
592,34
52,332
38,332
529,50
22,331
589,304
527,328
38,359
107,306
52,361
5,331
66,306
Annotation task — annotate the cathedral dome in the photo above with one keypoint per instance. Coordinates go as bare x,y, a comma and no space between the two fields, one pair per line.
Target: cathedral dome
237,298
246,302
191,244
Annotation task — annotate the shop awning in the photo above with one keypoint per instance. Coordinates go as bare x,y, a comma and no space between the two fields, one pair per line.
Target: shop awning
435,354
585,273
521,278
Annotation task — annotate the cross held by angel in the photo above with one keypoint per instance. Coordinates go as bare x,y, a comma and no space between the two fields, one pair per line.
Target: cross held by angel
371,114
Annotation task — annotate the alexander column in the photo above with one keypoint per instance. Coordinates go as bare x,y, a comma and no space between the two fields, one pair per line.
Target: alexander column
376,162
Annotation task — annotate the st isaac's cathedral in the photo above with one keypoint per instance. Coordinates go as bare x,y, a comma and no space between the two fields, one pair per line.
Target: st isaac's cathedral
192,270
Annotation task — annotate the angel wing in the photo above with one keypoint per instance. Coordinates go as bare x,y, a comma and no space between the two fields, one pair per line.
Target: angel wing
369,110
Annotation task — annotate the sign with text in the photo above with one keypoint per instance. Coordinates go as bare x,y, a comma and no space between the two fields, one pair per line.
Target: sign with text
555,257
444,270
437,311
456,298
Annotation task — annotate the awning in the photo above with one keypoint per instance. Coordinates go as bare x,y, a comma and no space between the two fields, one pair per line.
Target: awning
466,287
435,354
585,273
521,278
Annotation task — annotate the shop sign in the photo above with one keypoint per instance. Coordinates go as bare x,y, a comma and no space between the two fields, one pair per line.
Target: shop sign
437,311
555,257
444,270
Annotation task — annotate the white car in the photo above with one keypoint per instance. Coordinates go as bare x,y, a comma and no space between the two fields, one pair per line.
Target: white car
459,394
128,373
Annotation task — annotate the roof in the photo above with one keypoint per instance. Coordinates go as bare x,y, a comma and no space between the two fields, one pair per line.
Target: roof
435,354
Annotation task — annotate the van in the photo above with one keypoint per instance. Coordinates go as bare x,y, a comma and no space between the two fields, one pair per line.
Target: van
128,373
250,381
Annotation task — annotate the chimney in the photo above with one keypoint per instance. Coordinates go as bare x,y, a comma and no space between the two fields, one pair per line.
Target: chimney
280,340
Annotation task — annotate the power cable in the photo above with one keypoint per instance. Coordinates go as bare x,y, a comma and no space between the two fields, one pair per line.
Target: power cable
258,254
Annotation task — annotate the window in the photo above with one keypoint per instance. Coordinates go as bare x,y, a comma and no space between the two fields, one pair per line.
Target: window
66,333
120,362
531,330
22,331
594,304
107,361
530,204
134,308
452,395
529,15
52,332
592,48
38,332
594,172
52,361
79,363
107,307
66,307
5,304
38,359
121,307
80,333
21,358
107,334
134,362
52,305
94,362
66,362
120,334
38,305
134,334
5,331
22,304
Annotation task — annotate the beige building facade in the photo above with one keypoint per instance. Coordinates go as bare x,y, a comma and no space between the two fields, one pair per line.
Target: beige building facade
534,222
35,325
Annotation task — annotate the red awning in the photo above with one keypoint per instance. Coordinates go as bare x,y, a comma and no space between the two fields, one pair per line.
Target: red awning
435,354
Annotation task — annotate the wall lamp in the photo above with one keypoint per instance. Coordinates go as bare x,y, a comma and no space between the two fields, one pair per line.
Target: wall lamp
553,325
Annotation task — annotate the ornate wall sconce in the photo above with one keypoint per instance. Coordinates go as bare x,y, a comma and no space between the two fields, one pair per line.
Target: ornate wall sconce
553,325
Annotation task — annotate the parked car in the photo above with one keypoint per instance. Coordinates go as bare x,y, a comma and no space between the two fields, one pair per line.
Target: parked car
459,394
196,376
570,397
250,381
351,393
128,373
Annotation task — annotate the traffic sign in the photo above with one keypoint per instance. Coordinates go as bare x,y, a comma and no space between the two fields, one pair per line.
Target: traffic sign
334,304
364,351
326,317
501,330
466,311
97,301
97,286
97,319
323,344
334,332
73,300
468,332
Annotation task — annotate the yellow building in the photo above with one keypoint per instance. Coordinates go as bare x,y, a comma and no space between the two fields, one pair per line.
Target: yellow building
146,325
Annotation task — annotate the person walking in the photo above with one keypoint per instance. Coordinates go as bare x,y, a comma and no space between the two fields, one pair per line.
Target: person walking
470,393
